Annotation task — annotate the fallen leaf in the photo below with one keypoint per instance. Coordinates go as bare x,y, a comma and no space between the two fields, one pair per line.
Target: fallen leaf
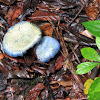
87,85
63,83
35,91
47,29
92,12
87,33
8,2
59,62
17,13
13,13
1,56
44,16
14,59
40,70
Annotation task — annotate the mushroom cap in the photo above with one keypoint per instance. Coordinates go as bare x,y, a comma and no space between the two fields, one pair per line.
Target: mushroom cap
47,48
20,37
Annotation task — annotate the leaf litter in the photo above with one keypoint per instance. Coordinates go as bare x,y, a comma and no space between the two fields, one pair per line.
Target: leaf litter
25,78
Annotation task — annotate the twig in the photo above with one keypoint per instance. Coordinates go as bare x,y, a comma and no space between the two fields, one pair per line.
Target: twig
66,55
75,55
77,13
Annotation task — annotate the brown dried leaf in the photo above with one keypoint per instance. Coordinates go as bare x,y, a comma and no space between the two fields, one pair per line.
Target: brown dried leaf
41,70
35,91
13,13
92,12
44,15
14,59
47,29
43,6
17,13
8,2
63,83
87,33
59,62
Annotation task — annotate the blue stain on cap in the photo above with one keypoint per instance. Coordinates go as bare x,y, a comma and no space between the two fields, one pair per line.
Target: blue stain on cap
47,48
20,37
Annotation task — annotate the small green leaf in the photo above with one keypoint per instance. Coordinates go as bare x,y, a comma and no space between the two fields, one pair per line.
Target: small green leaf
95,86
86,67
98,42
90,54
94,90
94,96
93,27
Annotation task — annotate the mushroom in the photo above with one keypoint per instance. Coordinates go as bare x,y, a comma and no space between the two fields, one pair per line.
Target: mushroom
47,48
20,37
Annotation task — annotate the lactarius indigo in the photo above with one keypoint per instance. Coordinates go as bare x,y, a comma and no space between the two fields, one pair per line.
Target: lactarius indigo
20,37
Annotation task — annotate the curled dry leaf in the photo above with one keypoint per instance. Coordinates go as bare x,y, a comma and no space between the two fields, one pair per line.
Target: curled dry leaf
8,2
47,29
35,91
44,16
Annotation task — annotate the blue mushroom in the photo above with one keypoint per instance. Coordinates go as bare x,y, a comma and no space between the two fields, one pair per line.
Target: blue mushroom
20,37
47,48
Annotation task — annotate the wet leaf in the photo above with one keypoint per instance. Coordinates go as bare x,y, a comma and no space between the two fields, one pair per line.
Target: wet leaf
63,83
44,16
14,59
8,2
86,67
87,85
92,12
98,42
93,27
47,29
13,13
59,62
90,54
94,90
40,70
35,91
1,56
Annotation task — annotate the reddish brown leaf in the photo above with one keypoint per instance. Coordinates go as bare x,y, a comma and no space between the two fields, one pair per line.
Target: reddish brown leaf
63,83
8,2
13,13
29,59
92,12
59,62
14,59
47,29
43,6
40,70
1,56
17,13
34,92
44,15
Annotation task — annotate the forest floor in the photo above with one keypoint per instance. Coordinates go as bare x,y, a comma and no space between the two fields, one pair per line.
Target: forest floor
25,78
